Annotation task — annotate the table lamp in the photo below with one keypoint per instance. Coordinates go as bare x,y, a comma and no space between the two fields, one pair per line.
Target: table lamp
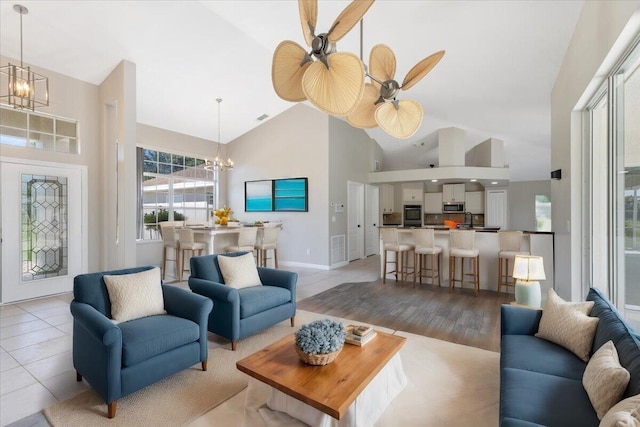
527,270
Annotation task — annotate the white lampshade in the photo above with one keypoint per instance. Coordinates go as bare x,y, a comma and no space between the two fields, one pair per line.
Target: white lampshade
528,268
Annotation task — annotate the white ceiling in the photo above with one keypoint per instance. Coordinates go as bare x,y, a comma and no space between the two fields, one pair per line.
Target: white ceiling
494,81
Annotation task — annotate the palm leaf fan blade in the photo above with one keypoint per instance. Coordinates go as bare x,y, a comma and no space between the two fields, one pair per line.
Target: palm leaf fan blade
286,72
421,69
348,19
308,16
382,63
338,89
401,123
363,116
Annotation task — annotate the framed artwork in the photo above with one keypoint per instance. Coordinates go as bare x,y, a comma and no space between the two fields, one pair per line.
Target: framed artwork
258,196
276,195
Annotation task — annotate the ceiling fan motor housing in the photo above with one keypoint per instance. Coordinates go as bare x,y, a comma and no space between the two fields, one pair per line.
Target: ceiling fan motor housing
389,89
321,46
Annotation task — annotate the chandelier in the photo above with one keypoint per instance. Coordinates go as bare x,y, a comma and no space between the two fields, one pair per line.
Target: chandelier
218,164
25,89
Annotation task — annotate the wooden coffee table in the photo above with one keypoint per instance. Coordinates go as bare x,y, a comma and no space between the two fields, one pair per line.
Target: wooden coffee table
331,388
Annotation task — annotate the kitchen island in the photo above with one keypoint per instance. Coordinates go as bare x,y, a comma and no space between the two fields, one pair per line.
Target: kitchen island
486,240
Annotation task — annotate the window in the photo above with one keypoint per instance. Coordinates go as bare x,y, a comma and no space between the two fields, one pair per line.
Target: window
543,213
22,128
612,196
173,188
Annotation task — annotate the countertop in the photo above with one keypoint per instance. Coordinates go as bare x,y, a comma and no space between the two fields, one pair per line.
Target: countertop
478,229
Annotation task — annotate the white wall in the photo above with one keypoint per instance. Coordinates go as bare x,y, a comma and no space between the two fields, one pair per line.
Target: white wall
352,154
117,109
522,203
292,144
599,26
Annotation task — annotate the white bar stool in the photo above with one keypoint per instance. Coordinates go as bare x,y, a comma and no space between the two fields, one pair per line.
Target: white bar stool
269,242
509,241
246,240
391,243
425,248
169,241
462,245
187,243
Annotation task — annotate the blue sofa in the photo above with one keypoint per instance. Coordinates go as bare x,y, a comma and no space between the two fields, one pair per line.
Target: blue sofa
118,359
238,313
541,382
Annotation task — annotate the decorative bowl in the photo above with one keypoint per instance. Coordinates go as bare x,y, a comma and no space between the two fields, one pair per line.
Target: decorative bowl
318,359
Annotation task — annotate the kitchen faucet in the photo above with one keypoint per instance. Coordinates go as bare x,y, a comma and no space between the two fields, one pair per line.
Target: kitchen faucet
470,216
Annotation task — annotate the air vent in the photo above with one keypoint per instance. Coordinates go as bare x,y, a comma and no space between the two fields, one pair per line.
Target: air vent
262,117
338,249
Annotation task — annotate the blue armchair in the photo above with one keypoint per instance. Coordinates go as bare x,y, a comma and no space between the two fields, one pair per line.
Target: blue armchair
118,359
238,313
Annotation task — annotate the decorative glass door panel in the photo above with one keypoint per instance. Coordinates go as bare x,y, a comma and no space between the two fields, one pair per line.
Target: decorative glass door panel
43,229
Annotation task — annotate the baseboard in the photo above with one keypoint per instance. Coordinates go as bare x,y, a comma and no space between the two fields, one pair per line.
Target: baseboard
304,264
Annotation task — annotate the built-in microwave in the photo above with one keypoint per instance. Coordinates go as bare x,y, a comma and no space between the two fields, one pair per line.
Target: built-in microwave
452,207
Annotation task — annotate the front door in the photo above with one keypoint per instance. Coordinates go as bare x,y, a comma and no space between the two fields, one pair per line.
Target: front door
42,229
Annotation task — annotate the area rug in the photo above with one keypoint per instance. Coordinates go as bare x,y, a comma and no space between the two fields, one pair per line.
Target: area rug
178,399
448,385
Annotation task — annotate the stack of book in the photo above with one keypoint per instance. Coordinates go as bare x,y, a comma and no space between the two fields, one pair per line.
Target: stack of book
359,335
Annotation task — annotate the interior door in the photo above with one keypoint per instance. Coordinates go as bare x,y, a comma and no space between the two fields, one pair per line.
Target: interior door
355,220
42,230
371,218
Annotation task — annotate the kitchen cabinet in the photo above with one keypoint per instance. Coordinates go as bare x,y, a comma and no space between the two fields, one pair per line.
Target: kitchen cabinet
387,199
433,203
412,195
453,193
474,202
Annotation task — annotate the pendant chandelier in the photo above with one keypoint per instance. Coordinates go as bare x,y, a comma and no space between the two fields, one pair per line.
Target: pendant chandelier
218,164
25,89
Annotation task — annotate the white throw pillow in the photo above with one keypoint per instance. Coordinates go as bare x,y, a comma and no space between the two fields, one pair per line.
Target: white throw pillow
239,271
135,295
604,379
623,414
568,324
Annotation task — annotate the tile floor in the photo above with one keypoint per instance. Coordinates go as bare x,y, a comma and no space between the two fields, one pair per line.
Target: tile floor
36,367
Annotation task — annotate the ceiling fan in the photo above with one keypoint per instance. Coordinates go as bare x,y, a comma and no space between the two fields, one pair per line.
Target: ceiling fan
379,105
334,82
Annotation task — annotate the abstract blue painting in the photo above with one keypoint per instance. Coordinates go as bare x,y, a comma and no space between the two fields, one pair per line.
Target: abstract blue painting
258,196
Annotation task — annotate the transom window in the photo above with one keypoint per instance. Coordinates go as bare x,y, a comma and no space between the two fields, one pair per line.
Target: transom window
22,128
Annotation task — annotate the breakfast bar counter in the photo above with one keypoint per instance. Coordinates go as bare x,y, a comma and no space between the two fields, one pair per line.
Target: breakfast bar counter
486,240
219,236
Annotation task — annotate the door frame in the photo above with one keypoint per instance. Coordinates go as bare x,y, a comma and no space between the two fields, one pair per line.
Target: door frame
371,212
84,205
351,204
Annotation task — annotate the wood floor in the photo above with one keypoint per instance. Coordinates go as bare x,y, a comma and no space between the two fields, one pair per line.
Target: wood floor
458,317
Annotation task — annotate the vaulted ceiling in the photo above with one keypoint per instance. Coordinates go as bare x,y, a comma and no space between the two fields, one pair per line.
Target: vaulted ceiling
501,61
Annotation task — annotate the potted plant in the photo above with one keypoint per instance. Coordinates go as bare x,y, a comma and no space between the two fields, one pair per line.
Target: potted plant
320,342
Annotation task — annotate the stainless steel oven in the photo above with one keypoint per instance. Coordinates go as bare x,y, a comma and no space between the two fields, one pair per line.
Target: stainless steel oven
412,215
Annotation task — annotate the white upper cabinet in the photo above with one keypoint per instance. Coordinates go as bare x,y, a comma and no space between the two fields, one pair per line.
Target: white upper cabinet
387,198
474,202
433,203
453,193
412,195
